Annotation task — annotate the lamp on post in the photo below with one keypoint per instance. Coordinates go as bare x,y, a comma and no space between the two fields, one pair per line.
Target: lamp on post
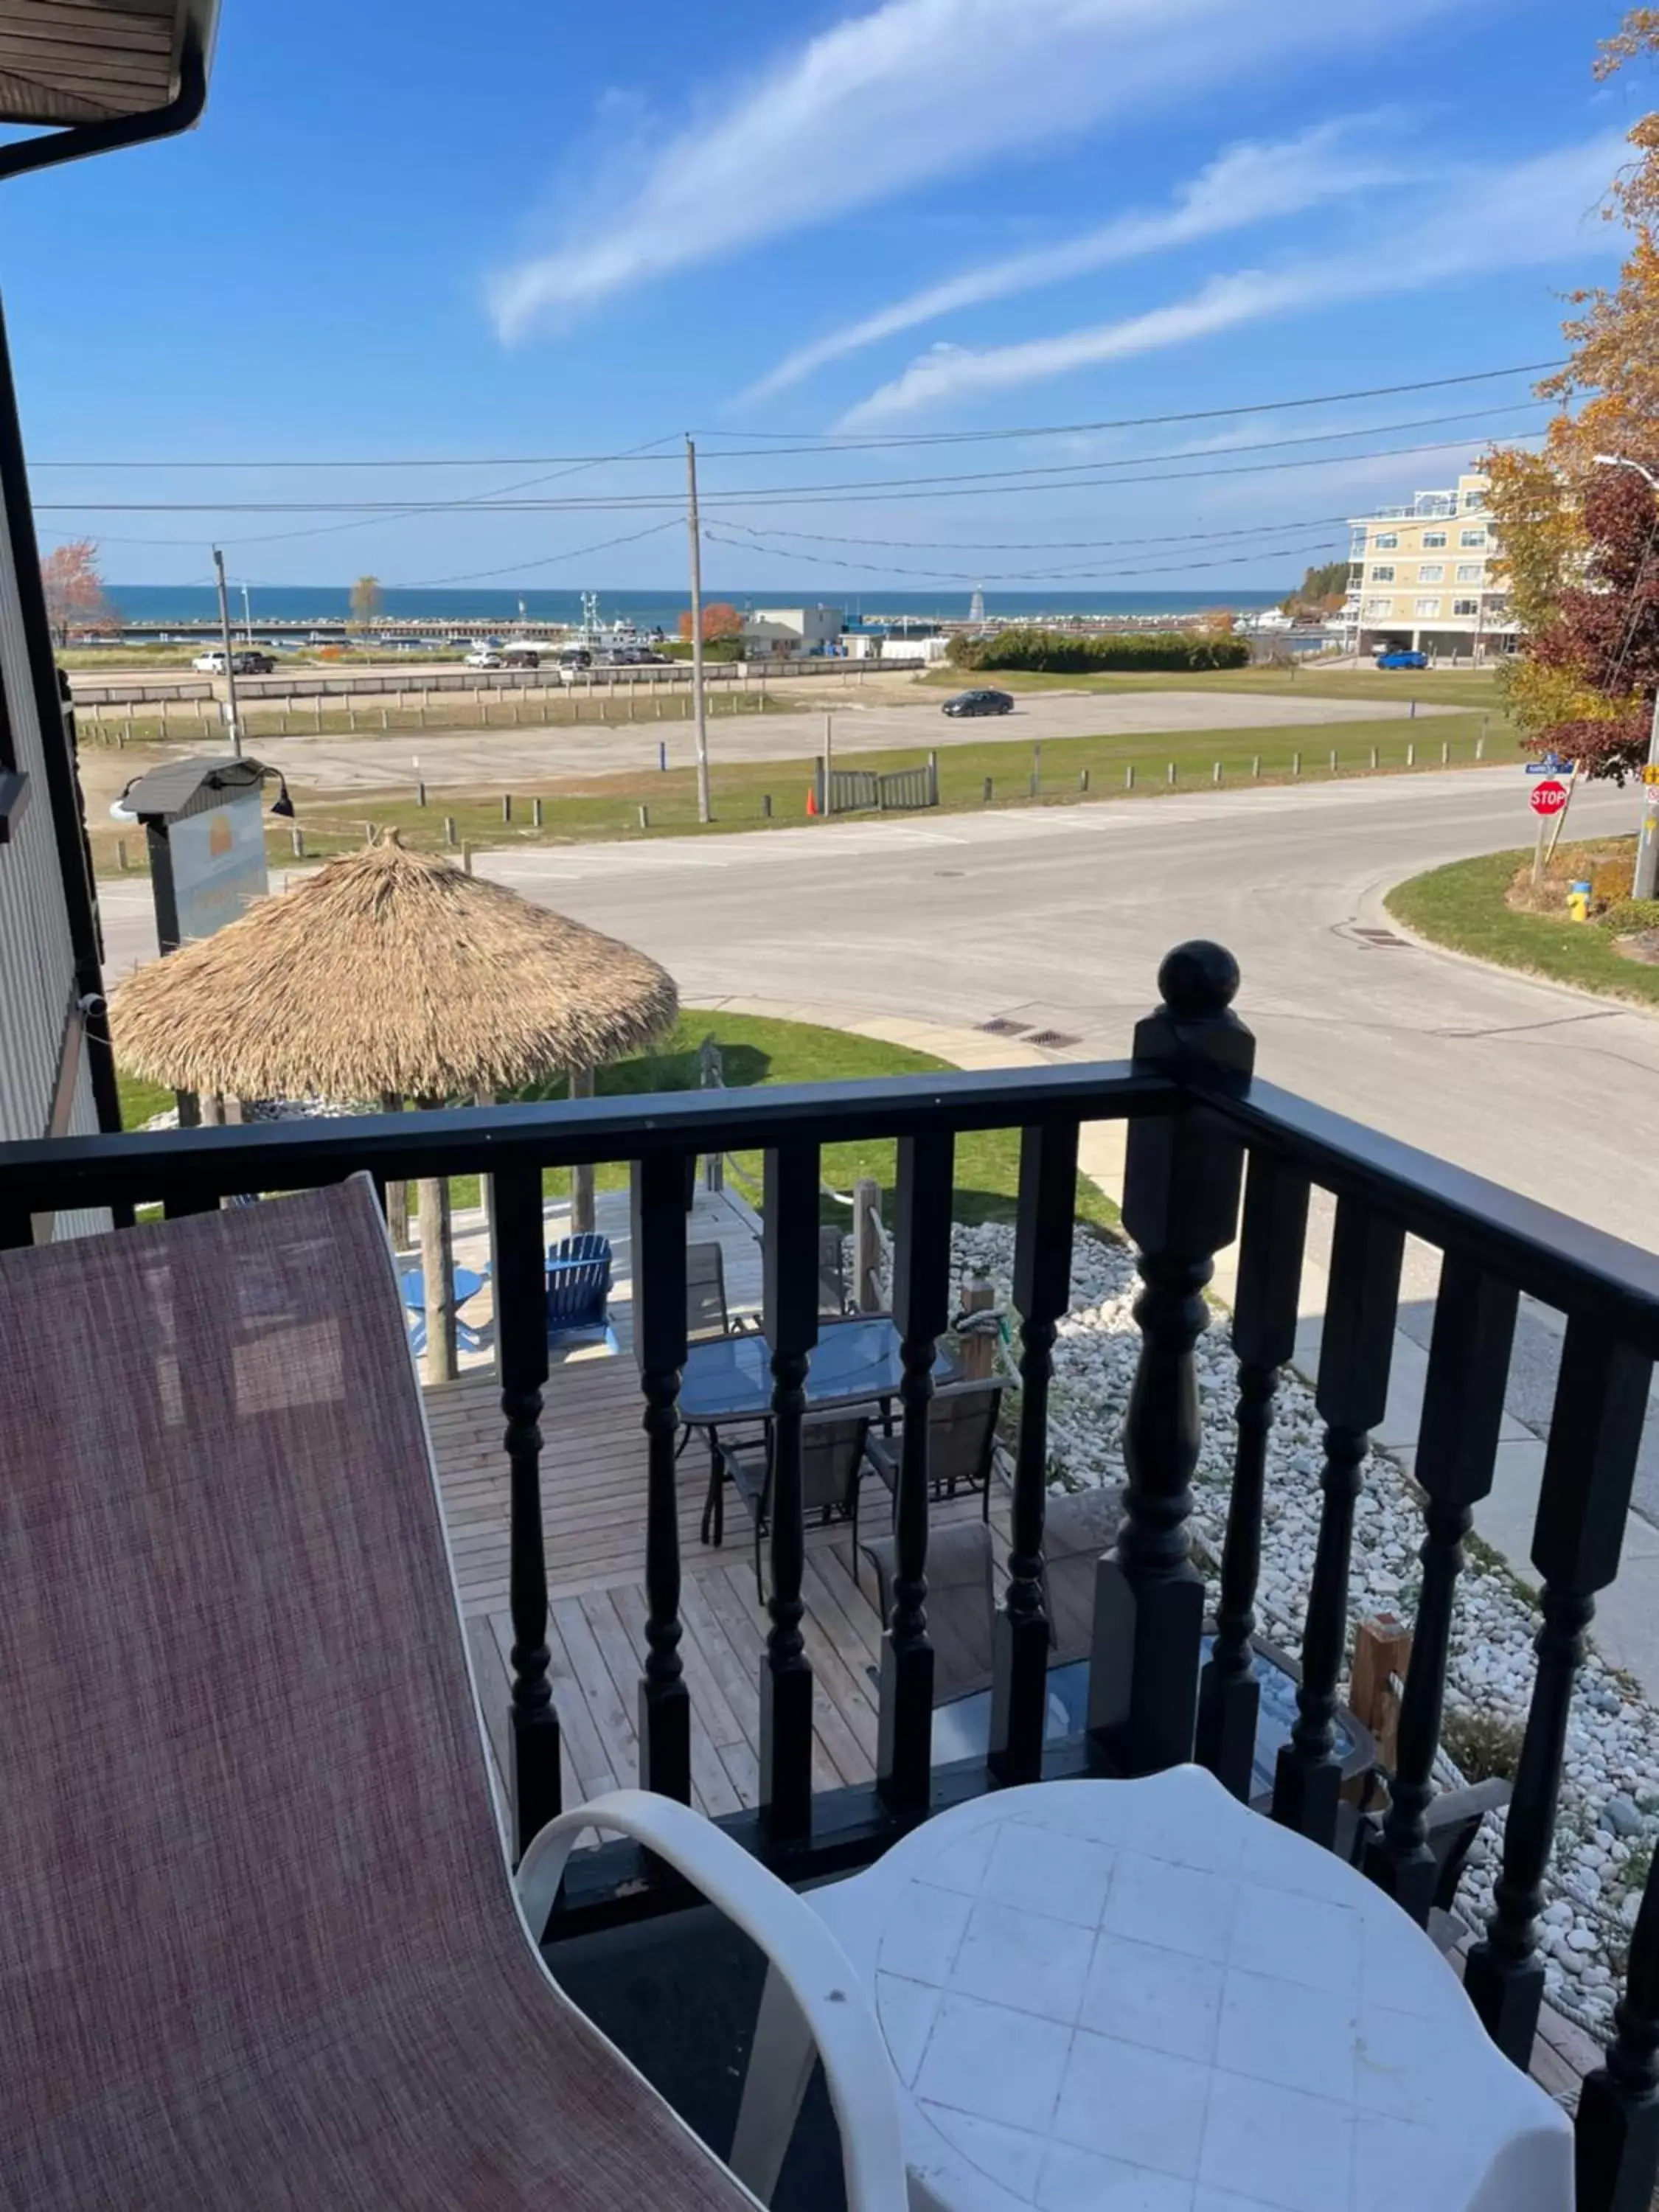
1645,883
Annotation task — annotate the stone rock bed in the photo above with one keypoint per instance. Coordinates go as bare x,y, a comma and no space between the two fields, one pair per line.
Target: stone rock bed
1608,1820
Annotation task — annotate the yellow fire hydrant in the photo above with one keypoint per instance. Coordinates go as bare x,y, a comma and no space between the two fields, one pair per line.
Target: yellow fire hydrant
1578,899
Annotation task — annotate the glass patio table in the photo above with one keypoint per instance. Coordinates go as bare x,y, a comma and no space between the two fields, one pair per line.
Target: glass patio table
728,1380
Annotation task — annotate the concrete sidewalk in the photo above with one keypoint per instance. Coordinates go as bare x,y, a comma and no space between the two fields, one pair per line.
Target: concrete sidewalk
1626,1625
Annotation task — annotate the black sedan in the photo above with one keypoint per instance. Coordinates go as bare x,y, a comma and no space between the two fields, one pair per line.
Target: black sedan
979,703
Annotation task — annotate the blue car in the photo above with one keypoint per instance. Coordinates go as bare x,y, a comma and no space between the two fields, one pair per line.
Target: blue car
1400,656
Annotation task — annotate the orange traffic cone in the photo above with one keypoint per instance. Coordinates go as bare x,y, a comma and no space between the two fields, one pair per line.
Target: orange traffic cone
812,799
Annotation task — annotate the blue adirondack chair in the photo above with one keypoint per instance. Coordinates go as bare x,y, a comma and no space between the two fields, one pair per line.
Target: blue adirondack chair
578,1286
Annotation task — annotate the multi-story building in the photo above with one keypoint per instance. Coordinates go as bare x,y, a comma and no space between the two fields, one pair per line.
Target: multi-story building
1424,575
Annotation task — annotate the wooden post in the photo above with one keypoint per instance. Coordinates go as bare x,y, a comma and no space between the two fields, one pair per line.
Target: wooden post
466,856
436,1274
121,854
534,813
449,829
979,1346
1381,1653
866,1244
582,1178
396,1193
507,806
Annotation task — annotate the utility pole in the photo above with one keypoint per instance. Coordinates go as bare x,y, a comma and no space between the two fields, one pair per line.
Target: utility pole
231,715
698,704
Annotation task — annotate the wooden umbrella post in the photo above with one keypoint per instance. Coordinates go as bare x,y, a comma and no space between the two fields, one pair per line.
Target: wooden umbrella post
396,1193
439,1288
582,1178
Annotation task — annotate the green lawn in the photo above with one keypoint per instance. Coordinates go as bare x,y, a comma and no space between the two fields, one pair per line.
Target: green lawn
755,1050
1067,769
1446,687
1463,906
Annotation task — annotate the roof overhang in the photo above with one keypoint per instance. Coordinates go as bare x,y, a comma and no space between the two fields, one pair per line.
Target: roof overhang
106,72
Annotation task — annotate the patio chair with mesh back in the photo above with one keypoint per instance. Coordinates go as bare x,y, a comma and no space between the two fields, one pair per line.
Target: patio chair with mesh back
832,1450
261,1947
961,1437
707,1315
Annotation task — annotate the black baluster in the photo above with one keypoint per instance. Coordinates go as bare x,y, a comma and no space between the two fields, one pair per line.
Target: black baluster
659,1242
1043,1282
790,1310
922,1295
519,1276
1264,1337
1356,1349
17,1227
1180,1205
1617,2132
1457,1441
1595,1428
183,1203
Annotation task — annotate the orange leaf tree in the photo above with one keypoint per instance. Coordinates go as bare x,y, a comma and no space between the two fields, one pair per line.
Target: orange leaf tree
719,619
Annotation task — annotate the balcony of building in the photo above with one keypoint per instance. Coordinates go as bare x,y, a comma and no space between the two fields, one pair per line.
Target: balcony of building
627,1616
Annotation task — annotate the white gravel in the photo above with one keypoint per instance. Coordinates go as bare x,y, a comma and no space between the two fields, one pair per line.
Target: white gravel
1609,1810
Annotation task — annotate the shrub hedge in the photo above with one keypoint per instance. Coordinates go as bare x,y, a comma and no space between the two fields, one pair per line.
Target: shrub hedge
1057,652
1625,915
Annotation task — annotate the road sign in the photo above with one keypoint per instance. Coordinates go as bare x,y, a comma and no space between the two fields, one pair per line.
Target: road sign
1547,798
1651,772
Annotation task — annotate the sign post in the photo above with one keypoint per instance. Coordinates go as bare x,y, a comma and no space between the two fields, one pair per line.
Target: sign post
1546,798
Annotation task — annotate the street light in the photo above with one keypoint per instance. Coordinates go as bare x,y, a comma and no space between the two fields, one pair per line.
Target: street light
1646,881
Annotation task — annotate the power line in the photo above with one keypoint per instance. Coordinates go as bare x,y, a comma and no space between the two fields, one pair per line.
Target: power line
1077,472
1044,544
517,567
808,442
868,491
1049,576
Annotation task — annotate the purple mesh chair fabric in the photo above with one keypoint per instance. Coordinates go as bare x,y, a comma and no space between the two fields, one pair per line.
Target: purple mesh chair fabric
259,1948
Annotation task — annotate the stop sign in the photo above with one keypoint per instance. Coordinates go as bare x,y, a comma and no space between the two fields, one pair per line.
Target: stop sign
1548,797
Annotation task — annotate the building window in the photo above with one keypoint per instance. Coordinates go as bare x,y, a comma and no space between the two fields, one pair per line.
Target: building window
1383,575
1431,572
1471,537
1428,607
1385,541
1378,609
1433,539
1466,606
1471,572
1473,499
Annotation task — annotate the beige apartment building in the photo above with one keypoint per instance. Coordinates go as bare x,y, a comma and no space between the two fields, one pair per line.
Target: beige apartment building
1423,576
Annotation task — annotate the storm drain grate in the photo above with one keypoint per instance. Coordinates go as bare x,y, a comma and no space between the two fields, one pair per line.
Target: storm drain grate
1001,1028
1055,1039
1380,937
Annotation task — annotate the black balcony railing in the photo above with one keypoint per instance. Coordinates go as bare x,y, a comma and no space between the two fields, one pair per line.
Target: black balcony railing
1213,1153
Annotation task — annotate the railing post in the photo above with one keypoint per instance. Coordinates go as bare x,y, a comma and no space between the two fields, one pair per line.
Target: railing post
520,1285
866,1244
657,1207
1595,1429
789,1306
1181,1191
1043,1282
1457,1445
1616,2130
1264,1337
922,1307
1356,1349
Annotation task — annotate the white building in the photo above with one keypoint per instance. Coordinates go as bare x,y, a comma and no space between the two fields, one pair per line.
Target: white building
1422,575
790,630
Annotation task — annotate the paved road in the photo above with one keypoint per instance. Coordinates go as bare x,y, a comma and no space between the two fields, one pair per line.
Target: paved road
522,758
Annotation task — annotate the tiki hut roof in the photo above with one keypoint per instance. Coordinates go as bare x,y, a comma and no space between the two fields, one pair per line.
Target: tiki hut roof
388,971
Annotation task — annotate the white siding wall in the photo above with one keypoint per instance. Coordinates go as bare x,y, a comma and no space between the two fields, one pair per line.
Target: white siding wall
37,964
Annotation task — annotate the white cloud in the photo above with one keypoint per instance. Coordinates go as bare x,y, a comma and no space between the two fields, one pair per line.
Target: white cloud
913,91
1522,215
1246,185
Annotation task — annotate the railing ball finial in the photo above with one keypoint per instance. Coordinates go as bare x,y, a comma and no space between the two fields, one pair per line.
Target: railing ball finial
1198,980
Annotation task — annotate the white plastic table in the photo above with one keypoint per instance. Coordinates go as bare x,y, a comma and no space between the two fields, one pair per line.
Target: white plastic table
1138,1997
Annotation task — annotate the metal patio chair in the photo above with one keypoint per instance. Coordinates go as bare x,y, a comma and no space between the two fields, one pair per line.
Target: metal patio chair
262,1948
962,1442
832,1449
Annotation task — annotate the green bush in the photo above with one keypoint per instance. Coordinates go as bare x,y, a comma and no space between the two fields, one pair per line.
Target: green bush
1057,653
1631,914
713,648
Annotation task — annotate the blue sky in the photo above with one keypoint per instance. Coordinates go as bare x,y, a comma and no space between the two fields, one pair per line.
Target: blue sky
396,237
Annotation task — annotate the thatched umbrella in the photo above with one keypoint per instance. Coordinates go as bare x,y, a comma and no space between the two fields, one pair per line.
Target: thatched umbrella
391,975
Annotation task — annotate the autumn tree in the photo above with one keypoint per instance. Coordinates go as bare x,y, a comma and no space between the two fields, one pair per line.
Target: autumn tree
366,602
719,619
1559,521
1323,588
75,599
